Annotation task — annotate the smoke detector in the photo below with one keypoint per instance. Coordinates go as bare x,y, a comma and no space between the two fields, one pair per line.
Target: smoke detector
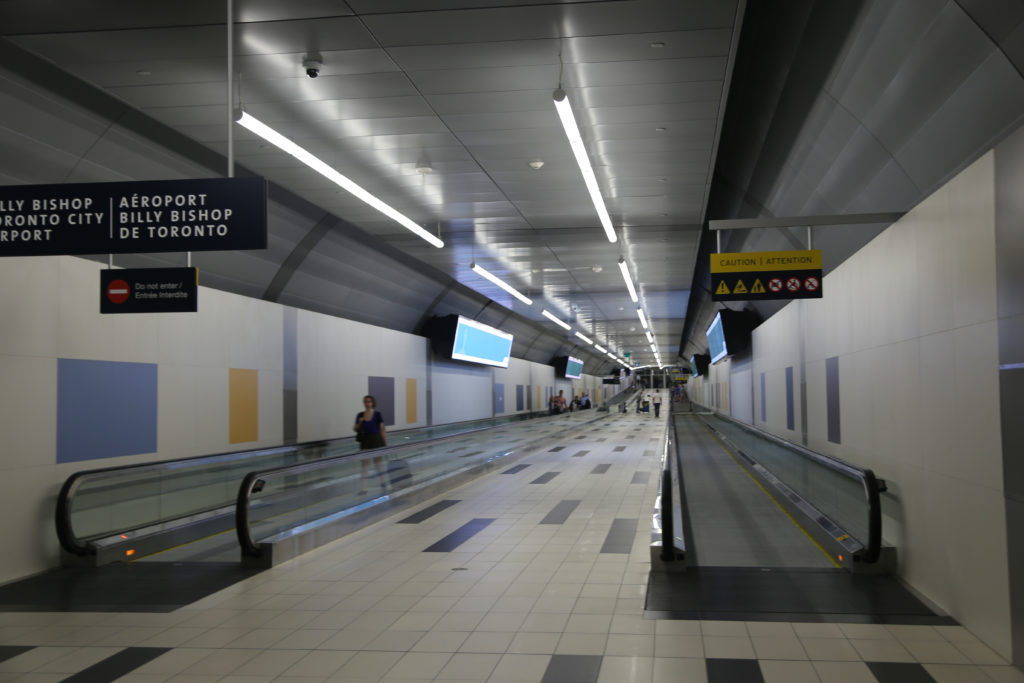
537,164
424,167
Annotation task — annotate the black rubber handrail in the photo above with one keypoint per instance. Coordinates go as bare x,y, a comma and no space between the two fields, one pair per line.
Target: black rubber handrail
248,544
80,546
873,486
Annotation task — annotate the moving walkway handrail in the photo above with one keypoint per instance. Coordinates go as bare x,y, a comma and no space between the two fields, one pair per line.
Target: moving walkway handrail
872,485
80,546
251,548
74,545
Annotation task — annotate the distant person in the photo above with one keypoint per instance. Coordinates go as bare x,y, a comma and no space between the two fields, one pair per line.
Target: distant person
657,404
561,401
585,402
370,432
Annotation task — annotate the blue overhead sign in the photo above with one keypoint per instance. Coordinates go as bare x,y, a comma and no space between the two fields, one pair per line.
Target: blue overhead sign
209,214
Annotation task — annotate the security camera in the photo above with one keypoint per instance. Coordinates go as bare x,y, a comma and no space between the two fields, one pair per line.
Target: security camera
312,67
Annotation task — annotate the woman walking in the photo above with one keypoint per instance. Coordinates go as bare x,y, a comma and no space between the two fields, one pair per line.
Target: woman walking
370,433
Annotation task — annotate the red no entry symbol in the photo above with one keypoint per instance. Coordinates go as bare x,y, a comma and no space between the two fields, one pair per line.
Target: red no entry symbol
793,284
775,284
117,291
811,284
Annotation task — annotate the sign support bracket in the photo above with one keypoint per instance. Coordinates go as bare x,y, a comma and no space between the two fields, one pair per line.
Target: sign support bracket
110,261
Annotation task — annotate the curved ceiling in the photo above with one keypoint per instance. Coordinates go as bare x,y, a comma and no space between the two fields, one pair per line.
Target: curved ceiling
812,107
462,87
854,107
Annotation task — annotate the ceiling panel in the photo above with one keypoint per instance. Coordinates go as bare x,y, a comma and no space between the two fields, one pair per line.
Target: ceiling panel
463,87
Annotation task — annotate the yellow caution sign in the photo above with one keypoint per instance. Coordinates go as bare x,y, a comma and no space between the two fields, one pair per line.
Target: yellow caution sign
759,261
740,288
722,288
758,288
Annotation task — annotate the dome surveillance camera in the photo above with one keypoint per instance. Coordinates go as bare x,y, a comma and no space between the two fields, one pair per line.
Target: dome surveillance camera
312,67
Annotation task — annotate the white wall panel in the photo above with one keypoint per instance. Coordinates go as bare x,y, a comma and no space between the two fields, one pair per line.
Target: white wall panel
911,317
461,392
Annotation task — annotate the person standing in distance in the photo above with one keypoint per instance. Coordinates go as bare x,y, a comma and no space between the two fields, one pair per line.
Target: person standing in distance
657,404
370,426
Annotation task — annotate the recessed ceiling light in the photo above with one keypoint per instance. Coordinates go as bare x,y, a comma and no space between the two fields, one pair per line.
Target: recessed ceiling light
144,72
622,308
657,45
536,164
661,129
597,268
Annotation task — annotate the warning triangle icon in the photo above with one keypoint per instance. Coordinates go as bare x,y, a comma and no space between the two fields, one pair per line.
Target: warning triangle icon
740,288
758,288
722,288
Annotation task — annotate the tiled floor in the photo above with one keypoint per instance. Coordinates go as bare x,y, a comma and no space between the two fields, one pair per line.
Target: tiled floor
551,590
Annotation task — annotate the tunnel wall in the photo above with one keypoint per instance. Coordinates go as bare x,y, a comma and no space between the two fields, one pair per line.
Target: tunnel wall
83,391
896,370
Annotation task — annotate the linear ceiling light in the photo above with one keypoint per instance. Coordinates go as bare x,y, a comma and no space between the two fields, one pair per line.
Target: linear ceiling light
553,318
488,275
654,350
643,318
584,337
650,337
284,144
612,356
572,132
629,281
600,348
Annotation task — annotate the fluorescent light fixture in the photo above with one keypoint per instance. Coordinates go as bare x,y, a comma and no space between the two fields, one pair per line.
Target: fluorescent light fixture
572,132
650,337
612,355
553,318
629,280
654,350
643,318
600,348
488,275
584,337
284,144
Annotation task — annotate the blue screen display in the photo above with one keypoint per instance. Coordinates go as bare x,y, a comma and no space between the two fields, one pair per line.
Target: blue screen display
716,340
573,368
479,343
694,368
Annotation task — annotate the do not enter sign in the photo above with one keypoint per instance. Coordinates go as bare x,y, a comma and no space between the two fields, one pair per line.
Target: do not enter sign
148,290
117,291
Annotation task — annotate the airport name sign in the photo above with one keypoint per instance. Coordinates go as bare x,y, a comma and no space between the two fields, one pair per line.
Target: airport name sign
766,275
210,214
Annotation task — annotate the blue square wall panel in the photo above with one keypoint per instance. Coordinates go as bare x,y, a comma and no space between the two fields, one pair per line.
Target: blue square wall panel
105,409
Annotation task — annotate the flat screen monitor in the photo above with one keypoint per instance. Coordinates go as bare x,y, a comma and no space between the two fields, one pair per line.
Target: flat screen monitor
478,343
717,347
699,364
573,368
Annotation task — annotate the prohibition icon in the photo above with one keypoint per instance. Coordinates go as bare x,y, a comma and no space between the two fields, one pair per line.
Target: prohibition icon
811,284
775,284
793,284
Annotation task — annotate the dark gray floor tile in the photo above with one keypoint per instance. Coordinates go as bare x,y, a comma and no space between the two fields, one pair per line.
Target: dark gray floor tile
580,454
641,478
560,512
545,478
515,469
459,536
619,449
428,512
573,669
9,651
899,672
620,537
556,449
600,469
734,671
115,666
